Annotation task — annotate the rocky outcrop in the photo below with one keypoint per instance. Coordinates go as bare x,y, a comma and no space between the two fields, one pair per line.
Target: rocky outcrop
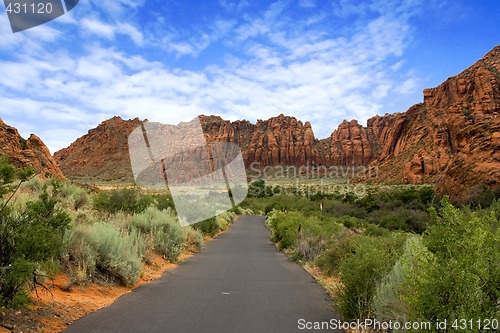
284,140
281,140
24,153
349,144
101,154
450,139
469,107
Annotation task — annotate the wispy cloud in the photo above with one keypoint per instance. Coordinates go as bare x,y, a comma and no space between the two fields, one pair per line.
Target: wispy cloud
99,28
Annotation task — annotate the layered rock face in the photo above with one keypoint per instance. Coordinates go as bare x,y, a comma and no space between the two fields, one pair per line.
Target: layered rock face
284,140
451,139
281,141
470,107
101,154
23,153
350,144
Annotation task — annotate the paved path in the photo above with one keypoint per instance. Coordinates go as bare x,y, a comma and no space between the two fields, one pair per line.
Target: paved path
239,283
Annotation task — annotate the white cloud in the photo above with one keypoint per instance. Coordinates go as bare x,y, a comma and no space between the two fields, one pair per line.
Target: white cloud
109,31
132,32
99,28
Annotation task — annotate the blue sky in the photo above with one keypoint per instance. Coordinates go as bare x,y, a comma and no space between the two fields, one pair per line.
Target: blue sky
320,61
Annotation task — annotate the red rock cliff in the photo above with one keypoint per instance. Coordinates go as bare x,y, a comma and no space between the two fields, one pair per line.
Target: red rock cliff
101,154
23,152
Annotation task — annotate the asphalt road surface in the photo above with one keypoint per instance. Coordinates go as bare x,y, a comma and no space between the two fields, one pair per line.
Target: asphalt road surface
239,283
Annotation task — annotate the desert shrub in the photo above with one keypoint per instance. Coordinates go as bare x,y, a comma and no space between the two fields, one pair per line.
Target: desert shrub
400,218
309,246
192,238
164,229
388,301
256,205
35,184
375,230
351,222
75,196
27,239
485,198
127,200
79,256
103,248
221,223
361,270
258,189
238,210
164,201
369,203
288,228
228,216
409,198
461,277
285,228
331,258
283,202
208,227
338,208
214,225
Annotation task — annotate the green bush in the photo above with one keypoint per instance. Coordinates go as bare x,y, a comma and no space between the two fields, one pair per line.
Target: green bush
164,201
208,227
257,189
361,270
351,222
27,239
164,229
329,261
486,197
400,218
283,202
35,184
285,228
461,276
214,225
338,208
311,233
127,200
374,230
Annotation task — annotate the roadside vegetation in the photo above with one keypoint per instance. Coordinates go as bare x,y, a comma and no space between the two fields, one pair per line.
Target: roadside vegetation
50,226
402,255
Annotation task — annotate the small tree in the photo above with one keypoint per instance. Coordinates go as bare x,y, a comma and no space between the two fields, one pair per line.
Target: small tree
27,237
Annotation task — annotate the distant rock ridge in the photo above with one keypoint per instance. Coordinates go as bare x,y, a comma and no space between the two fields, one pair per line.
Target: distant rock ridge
22,152
451,139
